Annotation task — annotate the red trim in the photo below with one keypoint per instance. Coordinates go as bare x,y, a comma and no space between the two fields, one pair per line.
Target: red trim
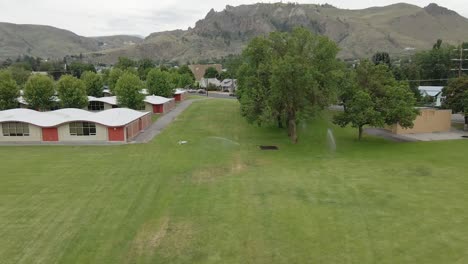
50,134
116,133
178,97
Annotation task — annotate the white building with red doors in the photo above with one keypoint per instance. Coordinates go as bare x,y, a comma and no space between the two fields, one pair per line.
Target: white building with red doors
71,125
158,104
153,104
180,95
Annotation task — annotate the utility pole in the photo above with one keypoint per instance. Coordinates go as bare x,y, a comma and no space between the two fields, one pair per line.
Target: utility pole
460,60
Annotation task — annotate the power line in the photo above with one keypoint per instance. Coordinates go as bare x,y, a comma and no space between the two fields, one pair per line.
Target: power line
460,61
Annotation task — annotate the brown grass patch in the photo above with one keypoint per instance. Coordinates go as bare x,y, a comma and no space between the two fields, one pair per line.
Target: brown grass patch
210,174
178,239
148,238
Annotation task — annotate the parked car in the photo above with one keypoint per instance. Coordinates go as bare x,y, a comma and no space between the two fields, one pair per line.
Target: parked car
201,91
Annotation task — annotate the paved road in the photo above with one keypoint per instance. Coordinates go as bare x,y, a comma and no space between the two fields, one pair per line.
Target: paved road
157,127
221,95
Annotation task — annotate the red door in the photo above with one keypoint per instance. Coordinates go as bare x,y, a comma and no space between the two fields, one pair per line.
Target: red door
116,133
158,109
50,134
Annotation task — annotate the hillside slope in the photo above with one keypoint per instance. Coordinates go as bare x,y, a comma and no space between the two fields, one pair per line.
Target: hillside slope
359,33
50,42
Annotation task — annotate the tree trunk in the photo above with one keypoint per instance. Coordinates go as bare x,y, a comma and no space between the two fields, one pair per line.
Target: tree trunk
466,122
360,132
280,122
292,128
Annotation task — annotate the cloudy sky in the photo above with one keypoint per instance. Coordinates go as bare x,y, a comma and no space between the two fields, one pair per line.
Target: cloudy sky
142,17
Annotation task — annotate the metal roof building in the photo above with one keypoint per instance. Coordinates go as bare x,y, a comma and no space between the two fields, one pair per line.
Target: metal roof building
68,125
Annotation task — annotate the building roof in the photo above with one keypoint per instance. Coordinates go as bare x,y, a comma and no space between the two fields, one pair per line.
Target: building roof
179,91
430,90
157,100
112,118
229,82
112,100
205,82
199,70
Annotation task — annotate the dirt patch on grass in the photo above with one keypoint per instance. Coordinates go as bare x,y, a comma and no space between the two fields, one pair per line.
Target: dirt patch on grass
164,238
210,174
178,239
148,239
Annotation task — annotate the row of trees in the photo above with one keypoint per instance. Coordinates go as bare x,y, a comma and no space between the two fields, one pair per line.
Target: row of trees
289,77
125,81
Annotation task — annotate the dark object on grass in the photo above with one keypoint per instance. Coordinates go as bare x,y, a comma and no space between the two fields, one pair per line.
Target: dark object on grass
269,148
464,136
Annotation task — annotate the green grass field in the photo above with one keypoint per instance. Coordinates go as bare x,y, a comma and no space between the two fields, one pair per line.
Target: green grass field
219,199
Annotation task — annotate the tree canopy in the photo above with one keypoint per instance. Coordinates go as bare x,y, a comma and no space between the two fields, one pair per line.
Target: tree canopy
71,92
39,92
160,83
77,68
9,91
456,94
211,72
113,77
125,63
287,77
93,83
373,97
128,93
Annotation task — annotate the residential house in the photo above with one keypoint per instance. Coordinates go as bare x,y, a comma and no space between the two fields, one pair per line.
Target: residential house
434,92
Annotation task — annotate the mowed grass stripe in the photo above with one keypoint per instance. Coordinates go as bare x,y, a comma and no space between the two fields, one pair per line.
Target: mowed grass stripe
219,199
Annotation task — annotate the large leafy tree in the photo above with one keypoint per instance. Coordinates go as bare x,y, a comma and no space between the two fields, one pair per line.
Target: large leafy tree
71,92
211,72
128,93
436,64
144,66
93,83
184,69
125,63
77,68
456,94
113,77
287,76
184,80
39,92
160,83
9,91
372,97
20,74
382,58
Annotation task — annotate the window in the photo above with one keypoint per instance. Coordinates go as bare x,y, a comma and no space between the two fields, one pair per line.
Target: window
82,129
96,106
15,129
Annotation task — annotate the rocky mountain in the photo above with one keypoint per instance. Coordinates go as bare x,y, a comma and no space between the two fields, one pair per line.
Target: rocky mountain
359,33
50,42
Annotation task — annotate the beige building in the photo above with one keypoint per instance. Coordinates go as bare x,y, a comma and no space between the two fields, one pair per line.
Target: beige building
72,125
430,120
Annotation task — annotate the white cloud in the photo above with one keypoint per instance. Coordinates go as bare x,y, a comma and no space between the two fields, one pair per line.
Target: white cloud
142,17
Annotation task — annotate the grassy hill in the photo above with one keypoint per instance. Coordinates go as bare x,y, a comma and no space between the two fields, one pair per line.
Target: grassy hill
219,199
359,33
50,42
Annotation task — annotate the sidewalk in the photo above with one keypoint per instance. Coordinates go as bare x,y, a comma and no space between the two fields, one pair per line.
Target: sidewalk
157,127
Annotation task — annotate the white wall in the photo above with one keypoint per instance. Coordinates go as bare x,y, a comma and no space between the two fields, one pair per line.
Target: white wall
35,134
64,134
